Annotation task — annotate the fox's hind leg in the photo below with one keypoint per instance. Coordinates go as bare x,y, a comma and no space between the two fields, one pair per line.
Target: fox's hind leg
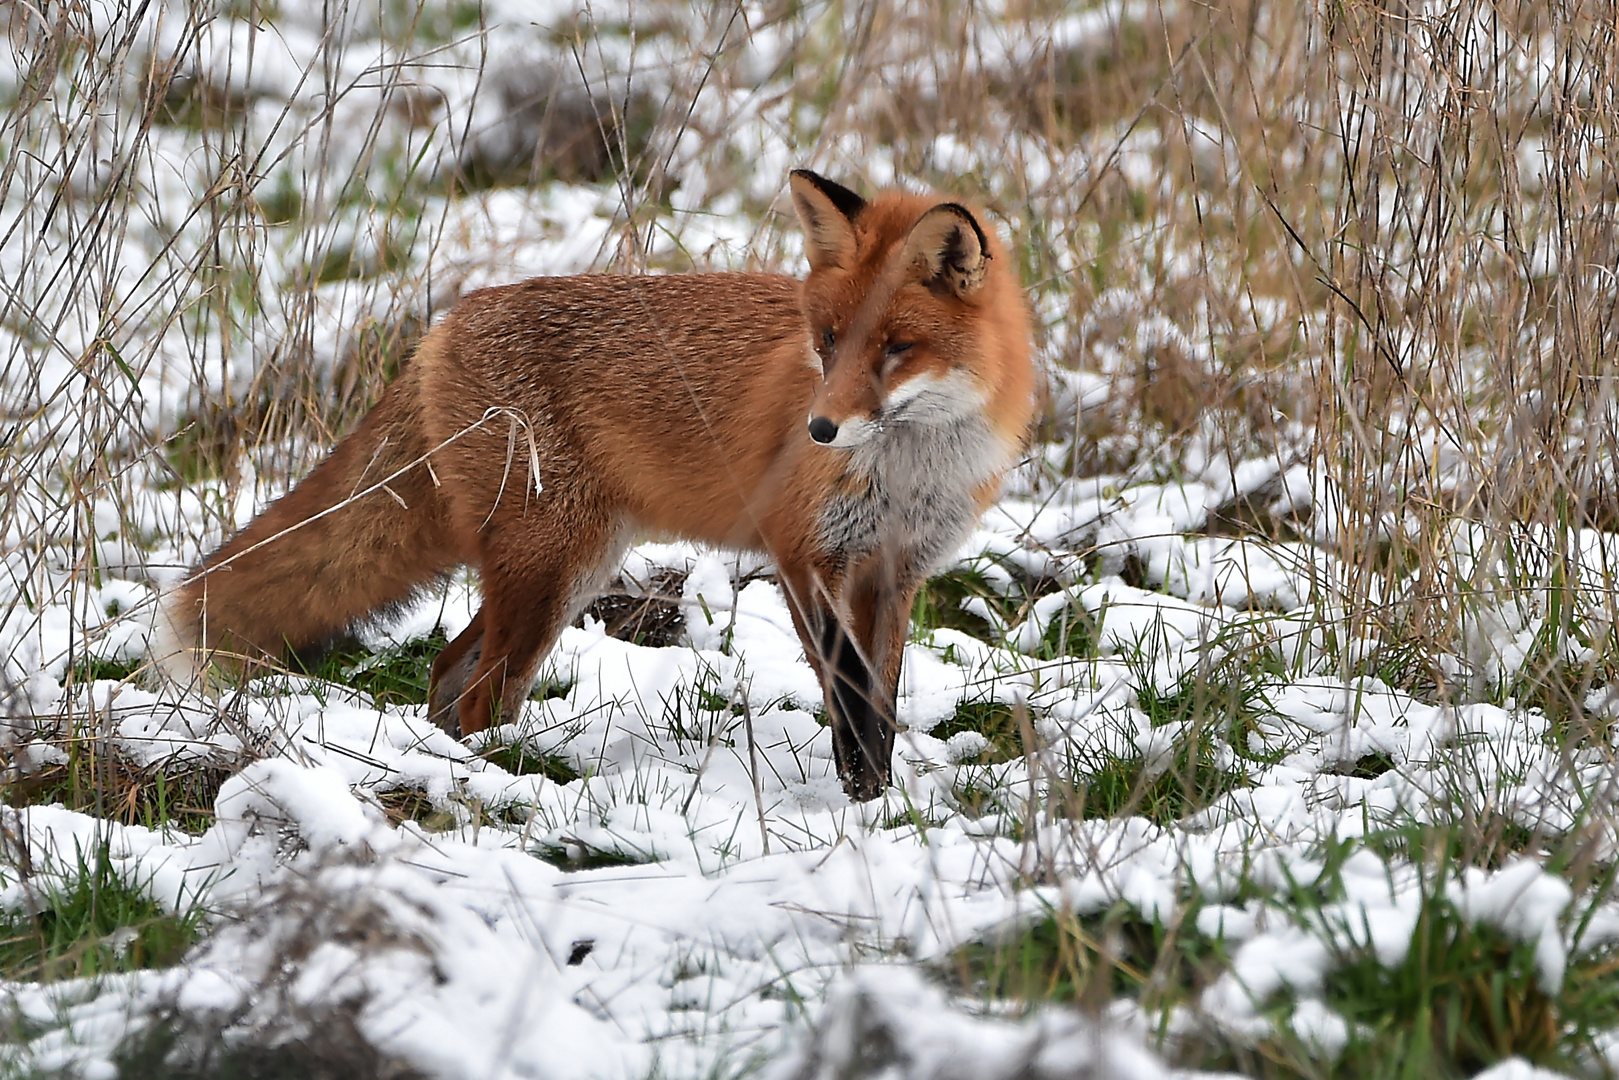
539,568
452,671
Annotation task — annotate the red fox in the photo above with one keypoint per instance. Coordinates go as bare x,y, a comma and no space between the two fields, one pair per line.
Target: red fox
852,426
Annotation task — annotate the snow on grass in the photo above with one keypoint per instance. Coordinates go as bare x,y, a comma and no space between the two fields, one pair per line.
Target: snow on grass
494,943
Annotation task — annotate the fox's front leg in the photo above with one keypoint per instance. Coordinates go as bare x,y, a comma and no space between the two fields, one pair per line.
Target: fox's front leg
879,603
853,630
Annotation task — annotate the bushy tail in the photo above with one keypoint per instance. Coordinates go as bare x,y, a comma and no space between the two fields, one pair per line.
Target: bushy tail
360,533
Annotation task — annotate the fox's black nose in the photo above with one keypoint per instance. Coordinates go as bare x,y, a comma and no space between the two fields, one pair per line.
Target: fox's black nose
822,430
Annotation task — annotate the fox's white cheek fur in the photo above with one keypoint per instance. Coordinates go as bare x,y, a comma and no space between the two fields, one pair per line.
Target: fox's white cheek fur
934,398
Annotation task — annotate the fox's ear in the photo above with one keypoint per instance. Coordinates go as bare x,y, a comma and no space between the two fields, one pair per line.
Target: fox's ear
827,212
952,246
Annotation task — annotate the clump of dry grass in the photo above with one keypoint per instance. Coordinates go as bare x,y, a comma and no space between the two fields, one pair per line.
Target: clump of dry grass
278,1030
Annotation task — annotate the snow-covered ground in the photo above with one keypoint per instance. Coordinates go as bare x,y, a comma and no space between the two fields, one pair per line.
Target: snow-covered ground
702,899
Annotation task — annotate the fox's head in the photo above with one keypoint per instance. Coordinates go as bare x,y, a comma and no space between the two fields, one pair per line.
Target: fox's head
904,298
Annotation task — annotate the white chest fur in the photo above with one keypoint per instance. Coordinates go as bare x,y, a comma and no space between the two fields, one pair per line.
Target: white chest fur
909,492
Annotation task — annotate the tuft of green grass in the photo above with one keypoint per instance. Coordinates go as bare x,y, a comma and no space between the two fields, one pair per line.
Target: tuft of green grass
102,923
519,759
1192,780
1089,960
995,720
1225,695
398,675
282,204
911,816
1487,839
1215,707
94,669
939,603
196,105
204,447
573,854
980,792
1367,766
1465,997
698,713
343,263
1073,632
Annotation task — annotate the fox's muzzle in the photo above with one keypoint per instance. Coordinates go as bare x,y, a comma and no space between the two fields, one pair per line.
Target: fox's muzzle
840,436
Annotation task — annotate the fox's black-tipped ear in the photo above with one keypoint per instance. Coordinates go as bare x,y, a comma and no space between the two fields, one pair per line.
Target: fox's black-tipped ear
952,246
848,203
827,211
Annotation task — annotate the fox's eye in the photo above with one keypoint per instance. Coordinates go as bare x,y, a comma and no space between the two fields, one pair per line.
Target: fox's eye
893,356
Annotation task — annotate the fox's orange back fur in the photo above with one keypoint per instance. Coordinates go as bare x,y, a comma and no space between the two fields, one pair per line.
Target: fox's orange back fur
665,405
